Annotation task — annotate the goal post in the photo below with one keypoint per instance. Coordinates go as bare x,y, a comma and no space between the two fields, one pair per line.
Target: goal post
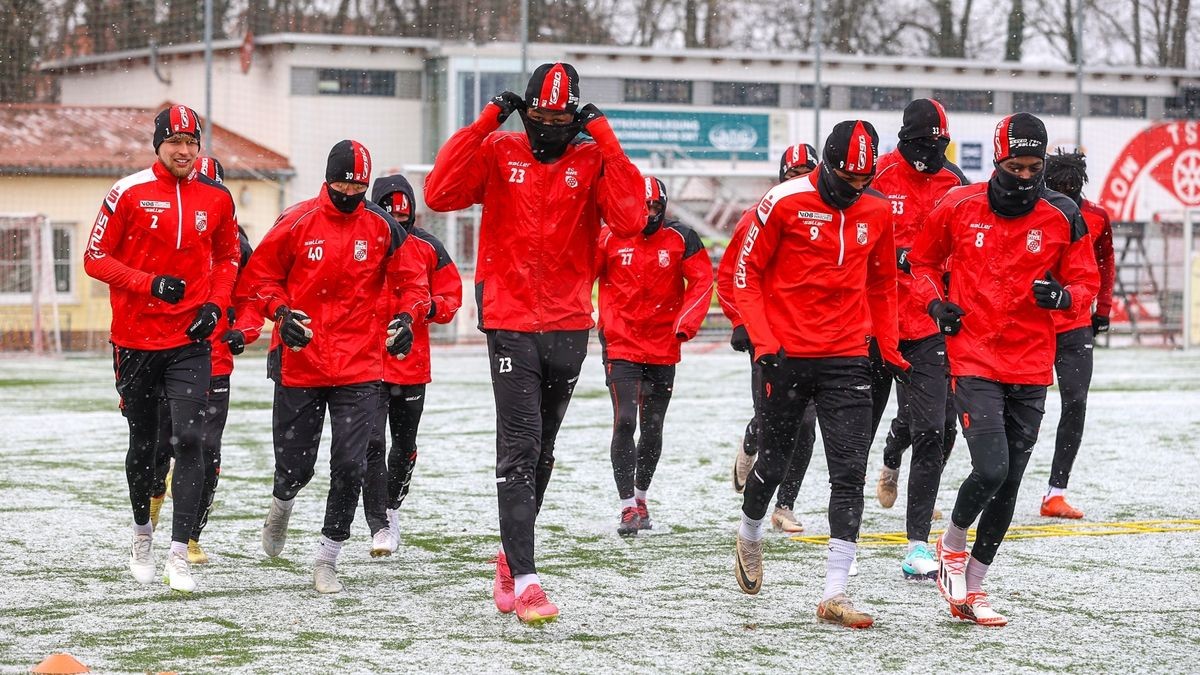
29,316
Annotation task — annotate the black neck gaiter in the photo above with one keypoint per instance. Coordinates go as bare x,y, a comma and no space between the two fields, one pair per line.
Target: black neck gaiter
835,191
927,155
1010,196
344,202
548,141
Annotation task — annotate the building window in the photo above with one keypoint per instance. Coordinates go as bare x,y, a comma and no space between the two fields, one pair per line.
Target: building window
1184,106
762,94
807,96
879,98
17,265
472,98
958,100
344,82
658,91
1040,103
1102,105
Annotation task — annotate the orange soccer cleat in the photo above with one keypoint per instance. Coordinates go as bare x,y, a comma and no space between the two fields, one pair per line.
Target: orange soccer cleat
1057,507
502,587
534,608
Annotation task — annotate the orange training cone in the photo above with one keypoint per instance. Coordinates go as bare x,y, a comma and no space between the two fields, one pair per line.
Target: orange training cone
60,664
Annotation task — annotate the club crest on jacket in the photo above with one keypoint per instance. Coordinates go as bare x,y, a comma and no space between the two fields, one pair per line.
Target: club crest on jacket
664,258
360,250
1033,241
201,221
862,234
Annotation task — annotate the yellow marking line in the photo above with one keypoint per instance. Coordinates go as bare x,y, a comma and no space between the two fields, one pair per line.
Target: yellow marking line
1033,531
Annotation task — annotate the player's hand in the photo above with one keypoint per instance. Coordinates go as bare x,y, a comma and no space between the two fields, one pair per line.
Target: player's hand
1099,324
432,310
400,336
902,260
947,315
236,340
588,114
770,361
902,373
740,340
205,322
1049,294
168,289
508,103
293,326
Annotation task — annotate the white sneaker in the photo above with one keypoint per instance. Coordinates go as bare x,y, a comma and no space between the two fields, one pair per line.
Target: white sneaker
274,530
381,543
141,558
393,518
178,573
325,578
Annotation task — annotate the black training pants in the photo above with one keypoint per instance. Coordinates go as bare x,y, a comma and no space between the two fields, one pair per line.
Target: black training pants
1073,364
640,395
389,474
841,388
806,438
298,417
922,405
533,377
1000,423
181,376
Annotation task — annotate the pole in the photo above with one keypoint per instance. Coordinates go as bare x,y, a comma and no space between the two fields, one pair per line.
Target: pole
1188,264
208,64
524,38
818,98
1079,75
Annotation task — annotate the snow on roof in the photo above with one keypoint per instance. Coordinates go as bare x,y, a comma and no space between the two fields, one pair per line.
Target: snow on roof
78,140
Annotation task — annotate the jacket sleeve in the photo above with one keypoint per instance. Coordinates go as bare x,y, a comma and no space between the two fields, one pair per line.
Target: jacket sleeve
1076,268
408,285
621,190
98,262
929,253
601,264
446,290
725,269
461,167
1106,263
697,272
881,295
263,282
226,256
754,258
249,320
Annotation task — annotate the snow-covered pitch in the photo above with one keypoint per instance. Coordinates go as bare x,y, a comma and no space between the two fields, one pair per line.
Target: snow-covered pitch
663,601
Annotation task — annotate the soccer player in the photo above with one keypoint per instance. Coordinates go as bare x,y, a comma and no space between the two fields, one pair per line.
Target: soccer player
389,473
796,161
815,277
543,195
913,177
655,289
1066,172
1017,254
319,273
165,241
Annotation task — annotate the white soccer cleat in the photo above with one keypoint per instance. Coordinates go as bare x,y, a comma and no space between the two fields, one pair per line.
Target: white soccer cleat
978,609
382,543
141,558
919,564
325,578
952,574
393,518
274,530
178,573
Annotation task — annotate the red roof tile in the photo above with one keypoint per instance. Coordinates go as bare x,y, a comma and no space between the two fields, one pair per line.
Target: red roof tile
49,139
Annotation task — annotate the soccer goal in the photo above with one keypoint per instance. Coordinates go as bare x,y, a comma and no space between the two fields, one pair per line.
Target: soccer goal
29,318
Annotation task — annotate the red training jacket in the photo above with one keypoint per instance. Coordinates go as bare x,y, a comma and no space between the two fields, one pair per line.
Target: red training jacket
913,195
994,261
816,280
422,255
540,223
728,264
332,266
1101,236
652,288
152,223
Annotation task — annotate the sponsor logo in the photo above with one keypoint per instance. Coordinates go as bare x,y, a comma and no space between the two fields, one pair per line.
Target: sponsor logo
815,215
664,258
980,226
862,234
739,274
113,195
97,235
151,204
520,165
555,87
201,221
360,250
862,153
765,206
1033,241
733,137
314,242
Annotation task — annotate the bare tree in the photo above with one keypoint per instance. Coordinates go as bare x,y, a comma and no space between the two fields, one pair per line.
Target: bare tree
1014,39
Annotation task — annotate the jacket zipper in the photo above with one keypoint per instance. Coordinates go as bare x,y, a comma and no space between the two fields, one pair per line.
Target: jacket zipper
841,237
179,229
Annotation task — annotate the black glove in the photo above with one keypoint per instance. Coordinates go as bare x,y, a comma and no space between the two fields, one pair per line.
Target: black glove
400,336
236,340
508,103
168,289
1099,324
293,328
902,260
1050,294
771,360
740,340
205,322
947,315
432,309
897,371
588,114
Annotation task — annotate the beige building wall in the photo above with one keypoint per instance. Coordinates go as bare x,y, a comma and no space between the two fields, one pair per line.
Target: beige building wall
84,312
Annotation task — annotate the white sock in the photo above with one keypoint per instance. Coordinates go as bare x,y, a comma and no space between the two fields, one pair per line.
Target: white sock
328,550
751,528
913,544
1054,492
975,573
523,581
286,505
179,548
955,538
639,494
837,566
147,528
630,503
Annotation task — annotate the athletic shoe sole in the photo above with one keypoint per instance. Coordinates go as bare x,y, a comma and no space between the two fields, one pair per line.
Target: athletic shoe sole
913,576
968,615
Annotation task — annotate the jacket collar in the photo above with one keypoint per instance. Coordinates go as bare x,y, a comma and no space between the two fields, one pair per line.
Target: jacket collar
167,178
